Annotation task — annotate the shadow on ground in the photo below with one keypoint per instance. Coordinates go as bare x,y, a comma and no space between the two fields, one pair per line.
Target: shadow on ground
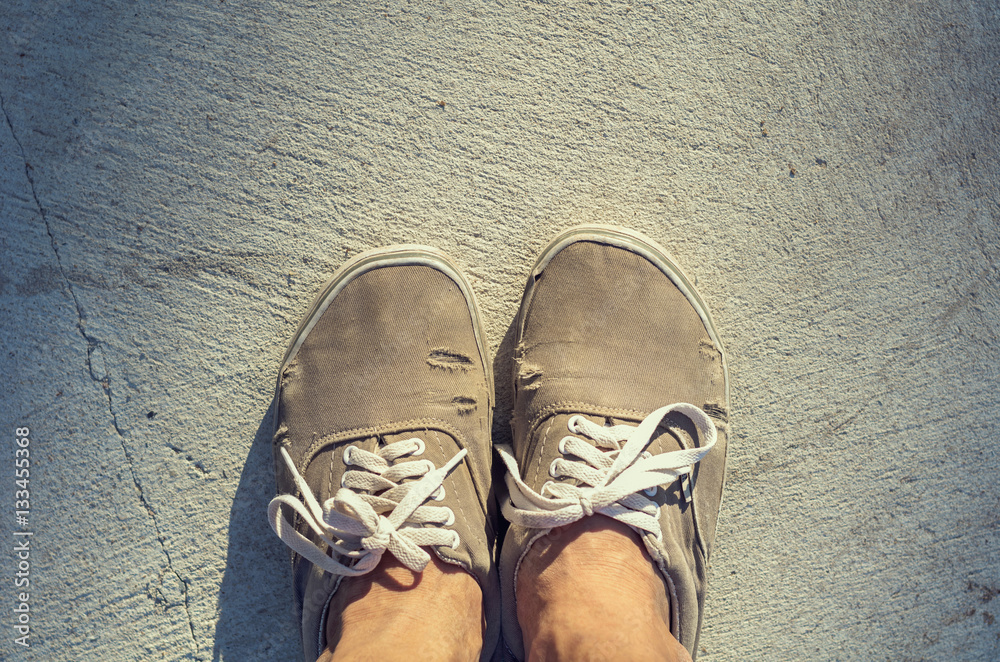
504,390
257,584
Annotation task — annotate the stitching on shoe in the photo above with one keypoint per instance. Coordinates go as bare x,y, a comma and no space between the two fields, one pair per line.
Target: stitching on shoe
545,415
422,424
541,451
378,430
459,501
661,564
462,565
576,407
329,487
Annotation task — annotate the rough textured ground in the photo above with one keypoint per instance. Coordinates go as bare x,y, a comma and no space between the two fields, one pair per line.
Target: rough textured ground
177,179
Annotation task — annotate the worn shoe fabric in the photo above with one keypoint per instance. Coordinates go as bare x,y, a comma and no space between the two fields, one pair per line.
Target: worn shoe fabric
382,424
621,405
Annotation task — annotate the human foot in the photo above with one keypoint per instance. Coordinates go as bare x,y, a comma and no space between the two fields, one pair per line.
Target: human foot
609,332
382,423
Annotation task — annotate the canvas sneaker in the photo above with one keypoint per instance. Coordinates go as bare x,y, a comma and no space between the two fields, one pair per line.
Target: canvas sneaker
621,406
382,432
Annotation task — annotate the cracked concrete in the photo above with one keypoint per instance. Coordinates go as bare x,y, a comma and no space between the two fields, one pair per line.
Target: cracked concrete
93,346
178,180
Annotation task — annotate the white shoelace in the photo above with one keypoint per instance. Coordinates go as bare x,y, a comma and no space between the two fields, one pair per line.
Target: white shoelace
616,483
350,523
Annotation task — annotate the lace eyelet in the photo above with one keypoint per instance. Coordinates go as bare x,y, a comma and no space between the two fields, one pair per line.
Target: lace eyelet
553,469
573,424
342,477
562,444
650,491
451,518
438,494
457,541
347,455
421,447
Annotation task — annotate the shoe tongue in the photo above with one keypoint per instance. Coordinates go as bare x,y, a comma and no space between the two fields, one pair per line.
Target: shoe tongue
673,433
439,448
436,443
386,439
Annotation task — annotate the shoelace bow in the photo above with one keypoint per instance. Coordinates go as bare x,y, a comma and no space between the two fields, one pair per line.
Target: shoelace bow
353,525
616,483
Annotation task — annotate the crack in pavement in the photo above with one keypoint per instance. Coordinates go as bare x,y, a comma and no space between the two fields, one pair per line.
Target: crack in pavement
95,345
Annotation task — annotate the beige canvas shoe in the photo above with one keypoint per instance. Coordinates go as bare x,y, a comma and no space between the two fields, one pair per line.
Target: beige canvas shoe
621,405
382,432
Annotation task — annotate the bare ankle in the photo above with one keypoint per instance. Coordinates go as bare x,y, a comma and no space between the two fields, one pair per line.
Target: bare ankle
393,613
590,591
597,555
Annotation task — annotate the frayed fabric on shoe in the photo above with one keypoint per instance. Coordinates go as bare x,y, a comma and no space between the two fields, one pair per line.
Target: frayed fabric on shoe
382,419
612,332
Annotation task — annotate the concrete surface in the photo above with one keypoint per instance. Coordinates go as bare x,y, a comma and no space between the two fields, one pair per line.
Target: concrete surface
177,179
